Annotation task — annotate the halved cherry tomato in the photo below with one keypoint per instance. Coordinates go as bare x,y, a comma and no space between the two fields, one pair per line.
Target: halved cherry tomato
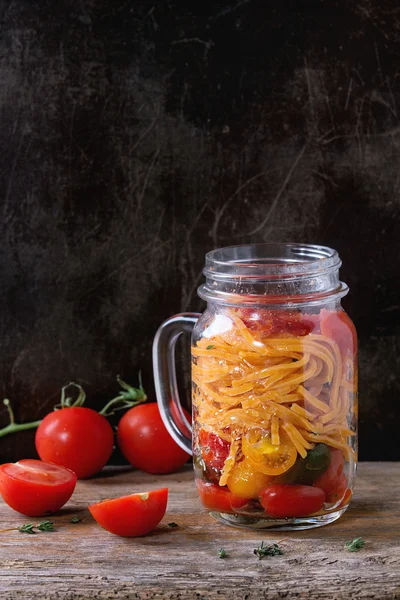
245,482
78,438
214,449
218,498
281,500
339,327
333,481
267,458
131,516
35,488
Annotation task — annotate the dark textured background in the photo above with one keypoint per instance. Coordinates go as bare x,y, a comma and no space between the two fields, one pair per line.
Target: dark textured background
137,135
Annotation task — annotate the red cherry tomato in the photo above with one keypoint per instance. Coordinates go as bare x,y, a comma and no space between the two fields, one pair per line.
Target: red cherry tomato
218,498
146,443
214,449
339,491
281,500
77,438
176,415
333,481
131,516
36,488
339,327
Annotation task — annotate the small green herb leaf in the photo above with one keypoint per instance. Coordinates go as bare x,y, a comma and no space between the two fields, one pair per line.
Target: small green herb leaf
222,553
75,520
45,526
172,525
210,347
27,528
355,545
262,550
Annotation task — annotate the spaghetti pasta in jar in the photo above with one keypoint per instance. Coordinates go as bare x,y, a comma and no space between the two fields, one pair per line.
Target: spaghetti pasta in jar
274,387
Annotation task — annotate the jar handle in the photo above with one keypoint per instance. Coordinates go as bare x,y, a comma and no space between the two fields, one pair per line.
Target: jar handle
165,376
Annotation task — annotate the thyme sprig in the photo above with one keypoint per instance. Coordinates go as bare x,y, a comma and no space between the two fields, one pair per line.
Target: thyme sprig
30,527
263,550
355,545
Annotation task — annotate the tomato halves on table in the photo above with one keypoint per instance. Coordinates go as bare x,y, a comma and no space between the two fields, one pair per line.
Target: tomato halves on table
131,516
35,488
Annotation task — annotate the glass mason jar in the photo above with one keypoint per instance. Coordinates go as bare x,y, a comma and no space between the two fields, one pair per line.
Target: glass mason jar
274,387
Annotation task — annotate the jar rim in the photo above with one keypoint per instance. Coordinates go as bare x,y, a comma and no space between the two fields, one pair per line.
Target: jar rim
270,261
272,274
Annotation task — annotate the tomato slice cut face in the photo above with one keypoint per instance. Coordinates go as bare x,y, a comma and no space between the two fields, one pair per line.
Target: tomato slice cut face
266,457
131,516
214,449
36,488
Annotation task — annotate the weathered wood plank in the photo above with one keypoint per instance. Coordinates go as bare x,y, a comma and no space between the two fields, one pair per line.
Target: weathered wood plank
83,561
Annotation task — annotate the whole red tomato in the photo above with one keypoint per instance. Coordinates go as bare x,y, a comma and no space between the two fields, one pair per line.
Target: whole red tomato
146,443
77,438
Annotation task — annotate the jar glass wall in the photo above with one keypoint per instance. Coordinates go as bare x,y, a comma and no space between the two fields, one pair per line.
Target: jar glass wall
274,378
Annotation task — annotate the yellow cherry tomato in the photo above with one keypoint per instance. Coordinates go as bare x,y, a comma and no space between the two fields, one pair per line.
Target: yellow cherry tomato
266,457
245,482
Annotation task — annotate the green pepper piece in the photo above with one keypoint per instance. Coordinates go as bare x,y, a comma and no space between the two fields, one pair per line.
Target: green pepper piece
318,459
306,470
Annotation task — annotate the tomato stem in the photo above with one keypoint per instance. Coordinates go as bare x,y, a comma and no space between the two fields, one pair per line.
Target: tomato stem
13,427
127,398
67,401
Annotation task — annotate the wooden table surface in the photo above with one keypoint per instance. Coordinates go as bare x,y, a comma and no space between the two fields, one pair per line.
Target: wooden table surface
84,561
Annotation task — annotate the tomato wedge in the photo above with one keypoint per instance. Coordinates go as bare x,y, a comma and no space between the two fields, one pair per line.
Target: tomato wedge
215,497
36,488
267,458
131,516
281,500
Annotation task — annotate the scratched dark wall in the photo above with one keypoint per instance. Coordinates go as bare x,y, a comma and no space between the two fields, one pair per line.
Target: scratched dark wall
137,135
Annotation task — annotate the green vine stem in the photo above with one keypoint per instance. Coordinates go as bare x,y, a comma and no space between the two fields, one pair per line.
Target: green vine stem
127,398
14,427
67,401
